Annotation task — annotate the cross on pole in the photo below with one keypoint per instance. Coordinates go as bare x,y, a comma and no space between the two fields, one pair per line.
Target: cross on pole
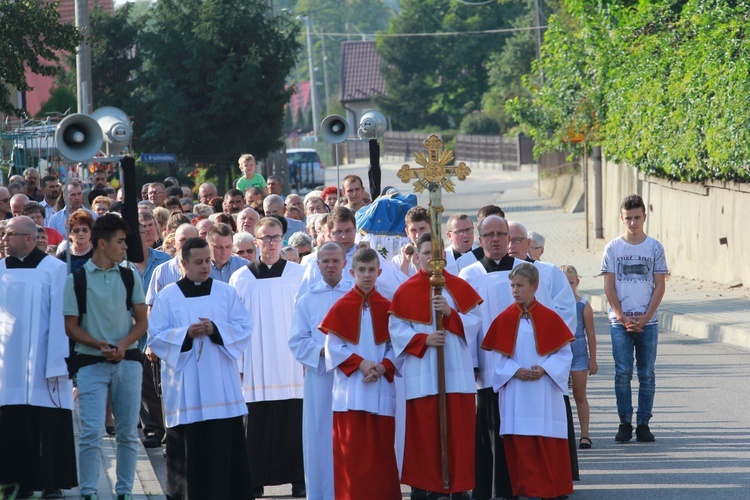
434,176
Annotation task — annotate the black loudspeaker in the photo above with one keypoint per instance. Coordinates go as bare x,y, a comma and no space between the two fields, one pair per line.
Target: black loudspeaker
130,210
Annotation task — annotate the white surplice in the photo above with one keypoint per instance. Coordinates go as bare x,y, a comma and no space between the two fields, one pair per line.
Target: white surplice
33,344
420,374
350,393
306,343
387,283
494,288
270,372
202,383
554,292
532,408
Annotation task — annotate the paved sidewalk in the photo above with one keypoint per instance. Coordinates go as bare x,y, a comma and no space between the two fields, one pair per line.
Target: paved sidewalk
695,308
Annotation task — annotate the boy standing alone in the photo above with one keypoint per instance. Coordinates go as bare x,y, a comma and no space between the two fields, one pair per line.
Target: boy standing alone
635,270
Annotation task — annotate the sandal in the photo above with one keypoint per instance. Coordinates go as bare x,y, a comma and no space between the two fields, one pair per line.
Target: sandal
584,446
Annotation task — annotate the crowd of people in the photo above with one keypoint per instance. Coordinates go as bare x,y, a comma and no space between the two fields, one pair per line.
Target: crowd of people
261,341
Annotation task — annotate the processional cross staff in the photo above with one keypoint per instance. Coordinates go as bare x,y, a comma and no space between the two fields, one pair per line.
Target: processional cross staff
434,176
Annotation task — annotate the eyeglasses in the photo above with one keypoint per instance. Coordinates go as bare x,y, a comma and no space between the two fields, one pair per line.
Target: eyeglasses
11,234
516,241
346,232
80,230
276,238
244,252
537,248
492,236
463,232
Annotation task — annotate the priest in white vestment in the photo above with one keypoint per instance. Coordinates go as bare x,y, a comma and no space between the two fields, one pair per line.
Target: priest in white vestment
37,450
272,378
199,329
308,346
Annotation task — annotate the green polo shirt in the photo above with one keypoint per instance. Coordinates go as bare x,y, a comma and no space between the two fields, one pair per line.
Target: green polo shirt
107,317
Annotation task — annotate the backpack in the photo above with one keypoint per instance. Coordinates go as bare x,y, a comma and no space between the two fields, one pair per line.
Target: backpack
79,287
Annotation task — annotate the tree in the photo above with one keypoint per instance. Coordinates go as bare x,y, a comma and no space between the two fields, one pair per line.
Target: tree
437,80
30,35
214,82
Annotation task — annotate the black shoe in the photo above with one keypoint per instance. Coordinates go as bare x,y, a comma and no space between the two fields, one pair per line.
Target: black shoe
258,491
463,495
299,490
643,434
110,430
625,433
52,493
419,494
152,442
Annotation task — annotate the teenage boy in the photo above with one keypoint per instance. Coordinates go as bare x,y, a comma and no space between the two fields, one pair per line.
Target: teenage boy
107,354
358,348
415,339
635,271
532,358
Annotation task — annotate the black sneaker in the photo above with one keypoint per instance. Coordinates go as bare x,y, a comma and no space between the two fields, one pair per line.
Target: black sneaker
299,490
258,491
625,433
643,434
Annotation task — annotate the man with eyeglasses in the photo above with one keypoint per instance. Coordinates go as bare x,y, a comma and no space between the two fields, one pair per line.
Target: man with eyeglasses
307,345
272,379
461,235
243,245
342,229
157,193
490,278
36,395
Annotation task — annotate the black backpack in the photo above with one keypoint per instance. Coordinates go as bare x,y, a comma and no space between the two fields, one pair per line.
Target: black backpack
79,287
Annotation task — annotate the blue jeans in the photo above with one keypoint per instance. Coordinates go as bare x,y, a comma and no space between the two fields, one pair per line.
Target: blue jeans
124,381
643,344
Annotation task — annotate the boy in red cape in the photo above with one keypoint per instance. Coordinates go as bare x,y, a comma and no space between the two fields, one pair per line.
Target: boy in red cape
358,347
532,367
414,335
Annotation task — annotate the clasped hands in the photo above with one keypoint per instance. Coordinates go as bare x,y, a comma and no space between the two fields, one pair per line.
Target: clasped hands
534,373
371,370
111,353
203,328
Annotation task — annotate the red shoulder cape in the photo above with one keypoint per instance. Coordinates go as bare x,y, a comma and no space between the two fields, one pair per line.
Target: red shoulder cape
345,316
413,299
550,331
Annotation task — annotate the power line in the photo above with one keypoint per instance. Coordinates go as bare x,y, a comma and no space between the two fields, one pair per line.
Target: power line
443,33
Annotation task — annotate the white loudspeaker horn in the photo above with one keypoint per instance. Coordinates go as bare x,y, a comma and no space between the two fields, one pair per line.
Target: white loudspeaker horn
115,126
372,125
78,137
335,128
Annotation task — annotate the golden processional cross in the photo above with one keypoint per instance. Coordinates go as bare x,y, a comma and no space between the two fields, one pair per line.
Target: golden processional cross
434,176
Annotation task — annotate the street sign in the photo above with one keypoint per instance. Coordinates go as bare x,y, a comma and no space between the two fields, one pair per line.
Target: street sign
158,157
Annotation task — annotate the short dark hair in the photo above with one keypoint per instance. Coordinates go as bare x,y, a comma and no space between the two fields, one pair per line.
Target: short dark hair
425,238
189,244
417,214
365,255
94,194
33,206
46,179
220,229
282,221
232,193
175,191
275,177
341,214
632,202
488,210
106,226
352,178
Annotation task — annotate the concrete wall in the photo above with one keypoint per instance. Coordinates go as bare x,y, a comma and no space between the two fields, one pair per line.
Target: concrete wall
567,190
703,228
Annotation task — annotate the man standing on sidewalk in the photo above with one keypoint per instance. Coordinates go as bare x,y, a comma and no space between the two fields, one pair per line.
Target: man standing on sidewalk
106,353
635,269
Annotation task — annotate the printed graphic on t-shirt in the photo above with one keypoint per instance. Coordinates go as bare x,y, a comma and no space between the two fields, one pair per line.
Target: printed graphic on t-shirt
634,268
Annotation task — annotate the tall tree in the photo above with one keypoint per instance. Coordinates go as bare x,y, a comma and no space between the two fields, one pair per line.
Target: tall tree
437,80
30,35
215,78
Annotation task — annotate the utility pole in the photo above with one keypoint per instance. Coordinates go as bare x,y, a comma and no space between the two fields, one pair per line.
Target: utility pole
313,91
325,72
83,58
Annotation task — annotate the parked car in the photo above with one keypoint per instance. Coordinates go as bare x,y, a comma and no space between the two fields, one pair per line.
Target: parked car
305,168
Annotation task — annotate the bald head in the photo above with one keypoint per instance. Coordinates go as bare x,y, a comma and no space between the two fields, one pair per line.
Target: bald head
16,204
203,226
20,236
182,233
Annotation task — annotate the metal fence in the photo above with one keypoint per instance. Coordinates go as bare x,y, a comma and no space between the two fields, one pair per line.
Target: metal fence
509,152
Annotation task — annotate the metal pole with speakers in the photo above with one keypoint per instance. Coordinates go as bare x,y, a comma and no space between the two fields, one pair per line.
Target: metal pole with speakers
372,126
80,137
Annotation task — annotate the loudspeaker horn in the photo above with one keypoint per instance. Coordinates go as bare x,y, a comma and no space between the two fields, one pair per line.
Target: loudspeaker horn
372,125
115,126
335,128
78,137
